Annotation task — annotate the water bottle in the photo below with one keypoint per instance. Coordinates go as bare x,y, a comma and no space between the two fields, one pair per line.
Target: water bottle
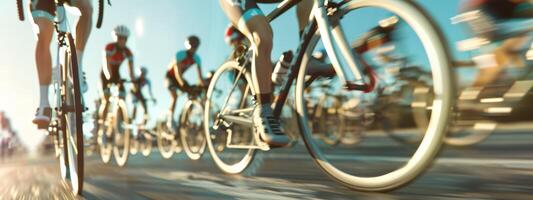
279,76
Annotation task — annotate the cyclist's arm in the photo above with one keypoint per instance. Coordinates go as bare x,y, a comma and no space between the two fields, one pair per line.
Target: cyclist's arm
130,64
179,76
149,84
131,69
108,51
107,69
199,70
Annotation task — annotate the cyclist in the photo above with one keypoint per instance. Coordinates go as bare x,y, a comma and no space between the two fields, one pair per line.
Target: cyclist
43,13
116,52
250,20
136,91
184,60
499,11
236,40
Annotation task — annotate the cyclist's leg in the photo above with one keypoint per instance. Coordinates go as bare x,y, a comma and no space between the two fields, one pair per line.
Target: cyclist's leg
504,55
105,97
43,13
303,10
83,30
252,23
250,20
172,89
84,27
145,108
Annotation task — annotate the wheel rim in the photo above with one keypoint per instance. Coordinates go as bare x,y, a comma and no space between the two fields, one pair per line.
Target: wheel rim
192,135
121,134
165,145
243,161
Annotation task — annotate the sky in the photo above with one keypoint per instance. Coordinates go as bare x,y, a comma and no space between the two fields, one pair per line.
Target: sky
159,30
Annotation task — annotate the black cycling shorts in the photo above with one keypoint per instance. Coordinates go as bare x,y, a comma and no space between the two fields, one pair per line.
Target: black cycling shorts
45,8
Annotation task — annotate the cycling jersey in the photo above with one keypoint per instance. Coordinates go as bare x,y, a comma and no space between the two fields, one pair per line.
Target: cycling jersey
184,61
45,8
500,9
115,57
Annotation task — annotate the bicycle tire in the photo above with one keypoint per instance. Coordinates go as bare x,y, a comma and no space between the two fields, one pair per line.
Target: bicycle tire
100,18
20,10
78,108
433,40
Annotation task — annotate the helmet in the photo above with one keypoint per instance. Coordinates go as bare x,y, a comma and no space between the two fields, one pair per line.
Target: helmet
121,30
232,34
192,42
144,70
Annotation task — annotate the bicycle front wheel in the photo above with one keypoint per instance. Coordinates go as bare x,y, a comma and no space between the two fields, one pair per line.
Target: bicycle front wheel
191,130
72,117
121,133
166,142
105,133
383,172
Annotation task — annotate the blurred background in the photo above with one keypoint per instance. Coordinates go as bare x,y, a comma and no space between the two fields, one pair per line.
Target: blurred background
159,31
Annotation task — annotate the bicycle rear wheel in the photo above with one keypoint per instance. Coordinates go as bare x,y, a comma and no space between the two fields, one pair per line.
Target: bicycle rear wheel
412,165
191,130
72,109
146,143
234,159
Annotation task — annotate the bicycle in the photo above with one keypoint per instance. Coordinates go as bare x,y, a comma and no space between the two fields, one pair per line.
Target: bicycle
114,127
235,111
66,123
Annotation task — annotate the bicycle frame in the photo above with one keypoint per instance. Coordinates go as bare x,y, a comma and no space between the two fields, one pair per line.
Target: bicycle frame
336,49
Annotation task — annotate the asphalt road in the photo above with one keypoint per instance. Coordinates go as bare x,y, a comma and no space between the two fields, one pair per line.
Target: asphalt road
499,168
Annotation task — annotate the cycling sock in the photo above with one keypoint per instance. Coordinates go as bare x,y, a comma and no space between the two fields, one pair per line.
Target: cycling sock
79,53
265,109
43,91
265,98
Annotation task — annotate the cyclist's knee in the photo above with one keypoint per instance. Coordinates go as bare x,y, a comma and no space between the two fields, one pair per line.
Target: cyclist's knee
263,40
46,31
85,7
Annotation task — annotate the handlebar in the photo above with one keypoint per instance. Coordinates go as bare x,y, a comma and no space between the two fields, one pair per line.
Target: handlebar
100,18
20,10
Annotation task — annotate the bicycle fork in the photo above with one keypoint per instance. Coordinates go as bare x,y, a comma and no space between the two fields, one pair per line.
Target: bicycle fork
346,65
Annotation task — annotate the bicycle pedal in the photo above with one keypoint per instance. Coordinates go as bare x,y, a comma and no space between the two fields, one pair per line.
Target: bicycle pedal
261,145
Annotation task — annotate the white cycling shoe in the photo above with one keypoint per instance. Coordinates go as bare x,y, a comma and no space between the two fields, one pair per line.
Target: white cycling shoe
268,128
42,117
